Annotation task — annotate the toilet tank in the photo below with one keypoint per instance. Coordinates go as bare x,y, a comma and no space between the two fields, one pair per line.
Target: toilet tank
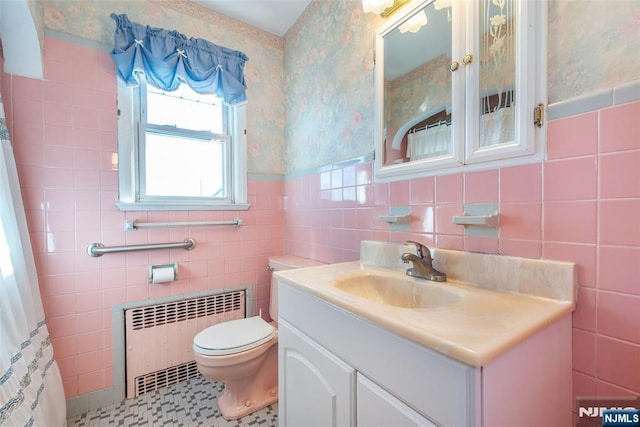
284,262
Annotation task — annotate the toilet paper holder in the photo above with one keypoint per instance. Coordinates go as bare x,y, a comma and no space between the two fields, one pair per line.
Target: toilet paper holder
159,272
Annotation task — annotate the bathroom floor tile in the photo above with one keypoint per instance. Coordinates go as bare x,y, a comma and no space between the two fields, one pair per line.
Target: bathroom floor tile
190,403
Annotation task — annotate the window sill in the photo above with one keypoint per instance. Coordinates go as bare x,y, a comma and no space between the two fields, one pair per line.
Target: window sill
146,206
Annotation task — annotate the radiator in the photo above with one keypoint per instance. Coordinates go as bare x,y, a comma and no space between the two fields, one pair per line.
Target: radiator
159,338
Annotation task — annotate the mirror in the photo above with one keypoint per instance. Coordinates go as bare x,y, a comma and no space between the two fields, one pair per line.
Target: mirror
417,84
436,105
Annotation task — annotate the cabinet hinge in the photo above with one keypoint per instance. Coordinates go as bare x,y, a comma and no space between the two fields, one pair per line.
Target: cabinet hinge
538,115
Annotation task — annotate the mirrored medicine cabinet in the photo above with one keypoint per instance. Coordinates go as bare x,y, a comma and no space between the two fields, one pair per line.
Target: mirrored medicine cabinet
460,84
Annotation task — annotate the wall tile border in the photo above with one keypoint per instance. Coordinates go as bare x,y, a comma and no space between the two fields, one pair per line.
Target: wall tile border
617,95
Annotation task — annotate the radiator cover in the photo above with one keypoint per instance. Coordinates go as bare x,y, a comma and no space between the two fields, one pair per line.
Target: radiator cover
159,338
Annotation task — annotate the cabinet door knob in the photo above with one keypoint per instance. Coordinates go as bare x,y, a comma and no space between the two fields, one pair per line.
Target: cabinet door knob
467,59
454,65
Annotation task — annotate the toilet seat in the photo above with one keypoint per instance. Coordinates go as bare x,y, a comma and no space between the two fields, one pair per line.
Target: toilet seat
233,336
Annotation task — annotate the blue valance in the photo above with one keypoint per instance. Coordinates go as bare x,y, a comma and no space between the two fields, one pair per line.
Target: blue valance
168,58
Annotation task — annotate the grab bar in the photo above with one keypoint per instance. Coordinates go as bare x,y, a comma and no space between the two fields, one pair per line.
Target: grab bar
133,224
98,249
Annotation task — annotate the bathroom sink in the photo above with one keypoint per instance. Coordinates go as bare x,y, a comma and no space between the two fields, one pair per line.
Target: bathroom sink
396,291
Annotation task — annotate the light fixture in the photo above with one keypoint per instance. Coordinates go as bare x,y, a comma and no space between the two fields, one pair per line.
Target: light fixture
383,8
376,6
414,24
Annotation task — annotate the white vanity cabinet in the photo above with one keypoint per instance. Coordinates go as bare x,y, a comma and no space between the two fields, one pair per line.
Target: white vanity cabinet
316,388
339,369
327,356
320,390
377,407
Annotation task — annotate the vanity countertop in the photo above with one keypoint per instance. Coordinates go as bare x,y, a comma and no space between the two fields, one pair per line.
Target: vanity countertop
484,324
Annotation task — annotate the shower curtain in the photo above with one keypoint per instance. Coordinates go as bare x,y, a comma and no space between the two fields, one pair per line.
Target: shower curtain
31,392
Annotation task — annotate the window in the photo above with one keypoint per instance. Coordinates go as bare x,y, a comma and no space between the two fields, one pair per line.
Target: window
180,150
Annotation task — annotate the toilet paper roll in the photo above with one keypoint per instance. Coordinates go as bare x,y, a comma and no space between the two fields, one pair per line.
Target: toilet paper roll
163,274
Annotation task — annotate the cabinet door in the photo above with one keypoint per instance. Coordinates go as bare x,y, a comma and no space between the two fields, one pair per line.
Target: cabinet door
504,74
315,387
378,408
422,111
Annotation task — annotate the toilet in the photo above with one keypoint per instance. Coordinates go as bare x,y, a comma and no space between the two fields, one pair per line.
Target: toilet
243,353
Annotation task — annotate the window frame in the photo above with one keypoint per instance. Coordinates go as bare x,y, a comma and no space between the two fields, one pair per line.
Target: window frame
130,132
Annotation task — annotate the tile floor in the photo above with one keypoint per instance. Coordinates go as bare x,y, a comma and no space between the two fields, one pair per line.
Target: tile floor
187,404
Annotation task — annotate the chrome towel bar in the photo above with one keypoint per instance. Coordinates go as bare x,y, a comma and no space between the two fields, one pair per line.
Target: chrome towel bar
98,249
134,225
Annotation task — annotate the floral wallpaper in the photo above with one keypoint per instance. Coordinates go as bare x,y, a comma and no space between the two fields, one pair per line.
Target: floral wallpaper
329,91
311,94
330,77
593,45
418,91
264,73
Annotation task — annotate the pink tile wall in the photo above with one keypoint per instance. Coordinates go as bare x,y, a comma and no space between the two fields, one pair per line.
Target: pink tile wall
582,205
64,133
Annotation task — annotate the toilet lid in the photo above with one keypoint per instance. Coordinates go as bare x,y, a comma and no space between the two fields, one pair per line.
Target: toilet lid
233,336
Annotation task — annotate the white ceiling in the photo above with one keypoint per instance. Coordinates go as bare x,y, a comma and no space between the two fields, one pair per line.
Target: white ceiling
277,16
273,16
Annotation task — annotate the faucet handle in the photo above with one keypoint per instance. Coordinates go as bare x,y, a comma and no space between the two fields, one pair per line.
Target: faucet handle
420,248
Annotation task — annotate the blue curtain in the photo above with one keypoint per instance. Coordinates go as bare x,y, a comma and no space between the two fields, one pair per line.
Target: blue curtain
168,58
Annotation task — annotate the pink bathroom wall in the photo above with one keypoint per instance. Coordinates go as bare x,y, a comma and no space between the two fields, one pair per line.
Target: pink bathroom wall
581,205
63,129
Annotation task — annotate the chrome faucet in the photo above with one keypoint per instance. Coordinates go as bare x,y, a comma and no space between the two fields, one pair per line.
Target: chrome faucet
422,264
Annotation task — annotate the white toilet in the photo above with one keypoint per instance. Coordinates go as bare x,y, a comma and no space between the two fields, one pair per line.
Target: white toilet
243,354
